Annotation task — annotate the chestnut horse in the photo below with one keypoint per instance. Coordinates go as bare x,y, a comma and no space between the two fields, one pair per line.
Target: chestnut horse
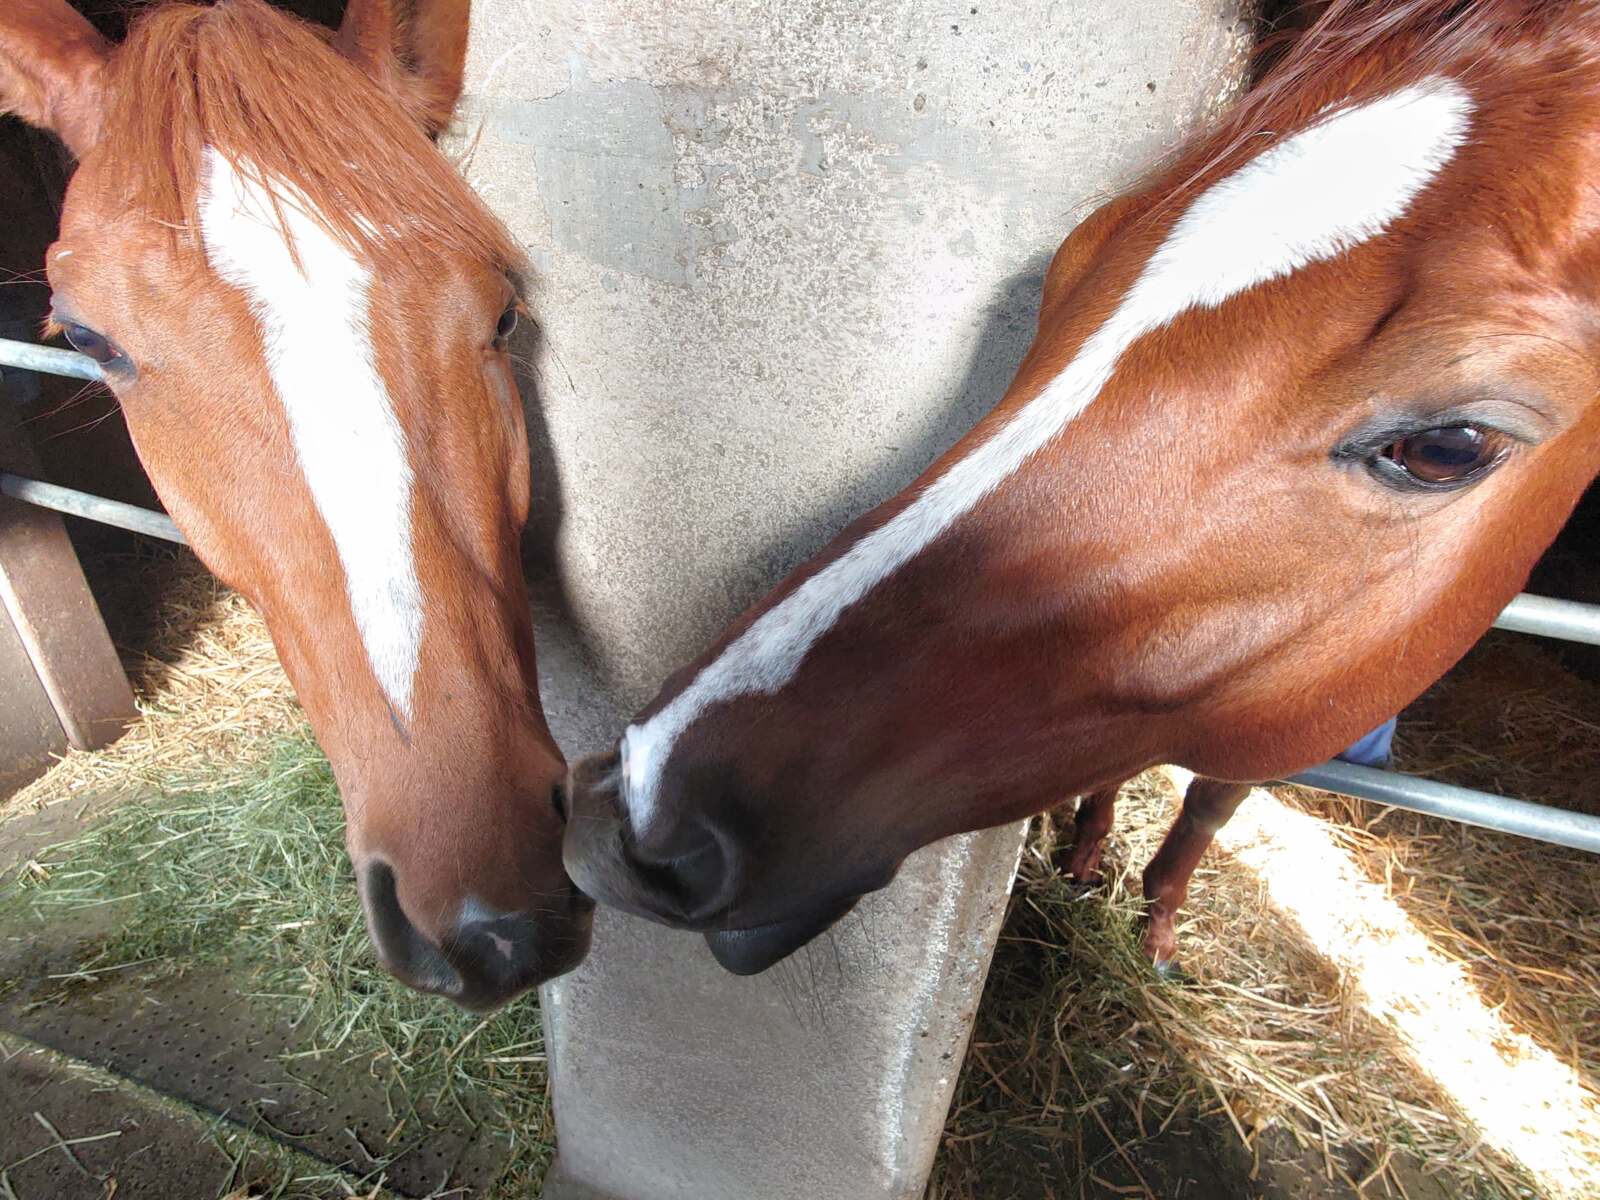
1302,411
303,311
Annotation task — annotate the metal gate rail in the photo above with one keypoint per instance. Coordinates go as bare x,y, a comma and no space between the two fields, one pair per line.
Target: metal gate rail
91,508
1486,810
49,360
1544,616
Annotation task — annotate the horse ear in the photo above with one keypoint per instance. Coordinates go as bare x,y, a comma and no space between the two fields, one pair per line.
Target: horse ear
52,64
414,49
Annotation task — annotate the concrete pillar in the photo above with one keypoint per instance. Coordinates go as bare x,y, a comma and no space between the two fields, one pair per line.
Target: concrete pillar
785,251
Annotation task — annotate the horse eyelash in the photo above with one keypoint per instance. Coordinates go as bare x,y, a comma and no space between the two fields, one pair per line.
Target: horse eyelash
1392,475
1364,444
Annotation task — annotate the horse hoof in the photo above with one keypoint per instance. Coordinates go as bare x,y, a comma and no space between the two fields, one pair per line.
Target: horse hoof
1082,889
1160,949
1170,970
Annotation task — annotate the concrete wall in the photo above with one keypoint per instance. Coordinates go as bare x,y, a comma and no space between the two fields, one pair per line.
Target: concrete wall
784,251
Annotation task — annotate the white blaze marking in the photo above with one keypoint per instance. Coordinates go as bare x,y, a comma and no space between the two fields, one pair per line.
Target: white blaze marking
315,331
1307,199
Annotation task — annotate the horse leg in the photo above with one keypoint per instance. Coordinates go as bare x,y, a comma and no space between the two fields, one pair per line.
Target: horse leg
1093,821
1207,805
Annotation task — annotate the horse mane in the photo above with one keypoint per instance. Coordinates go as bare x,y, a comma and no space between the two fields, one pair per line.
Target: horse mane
270,93
1355,49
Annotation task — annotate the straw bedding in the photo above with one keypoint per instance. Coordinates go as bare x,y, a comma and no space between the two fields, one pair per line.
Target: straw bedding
1262,1043
206,677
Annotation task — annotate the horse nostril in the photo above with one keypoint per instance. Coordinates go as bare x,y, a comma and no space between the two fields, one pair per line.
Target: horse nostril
701,882
700,871
558,800
402,950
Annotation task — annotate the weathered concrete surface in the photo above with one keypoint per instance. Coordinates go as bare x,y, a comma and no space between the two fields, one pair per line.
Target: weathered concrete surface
785,252
828,1077
138,1144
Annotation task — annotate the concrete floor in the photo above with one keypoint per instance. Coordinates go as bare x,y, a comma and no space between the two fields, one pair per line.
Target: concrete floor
188,1073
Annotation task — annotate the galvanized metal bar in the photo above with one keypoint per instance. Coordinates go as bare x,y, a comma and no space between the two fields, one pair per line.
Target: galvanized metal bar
49,360
1568,620
1483,809
92,508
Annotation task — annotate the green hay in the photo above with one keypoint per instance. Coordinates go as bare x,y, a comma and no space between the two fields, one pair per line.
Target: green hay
250,869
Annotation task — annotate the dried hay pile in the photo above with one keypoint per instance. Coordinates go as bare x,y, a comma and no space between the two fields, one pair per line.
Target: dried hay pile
1088,1076
206,678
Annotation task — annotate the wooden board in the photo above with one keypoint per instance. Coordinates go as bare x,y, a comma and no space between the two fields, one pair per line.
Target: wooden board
29,731
53,616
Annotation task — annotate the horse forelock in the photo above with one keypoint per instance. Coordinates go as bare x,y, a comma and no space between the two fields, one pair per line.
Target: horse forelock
1359,49
267,91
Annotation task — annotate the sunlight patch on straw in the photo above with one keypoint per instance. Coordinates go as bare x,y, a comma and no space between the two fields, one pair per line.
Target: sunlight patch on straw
1524,1100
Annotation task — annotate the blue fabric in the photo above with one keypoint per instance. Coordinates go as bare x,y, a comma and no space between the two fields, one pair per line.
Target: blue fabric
1374,749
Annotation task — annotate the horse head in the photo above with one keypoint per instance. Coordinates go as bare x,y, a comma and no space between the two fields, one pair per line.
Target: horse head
1302,411
303,311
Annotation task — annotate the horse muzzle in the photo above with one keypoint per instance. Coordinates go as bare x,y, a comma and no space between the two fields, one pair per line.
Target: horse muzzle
686,874
694,878
486,958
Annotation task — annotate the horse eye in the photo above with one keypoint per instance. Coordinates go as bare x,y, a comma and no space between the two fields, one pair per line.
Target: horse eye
1451,455
507,324
86,341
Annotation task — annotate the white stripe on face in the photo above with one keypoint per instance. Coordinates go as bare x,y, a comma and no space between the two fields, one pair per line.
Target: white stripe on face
1310,198
315,329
